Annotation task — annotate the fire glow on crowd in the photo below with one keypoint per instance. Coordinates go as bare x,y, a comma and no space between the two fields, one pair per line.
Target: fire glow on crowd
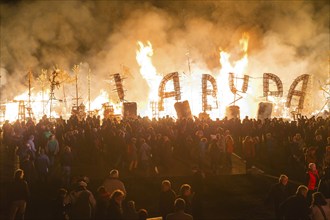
144,60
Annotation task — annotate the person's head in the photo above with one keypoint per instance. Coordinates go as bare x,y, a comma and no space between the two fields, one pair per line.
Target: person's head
166,185
298,136
42,151
185,190
52,137
101,190
268,135
67,149
31,137
82,184
318,199
312,166
165,138
19,174
179,205
131,205
247,138
114,173
117,196
302,190
143,214
283,179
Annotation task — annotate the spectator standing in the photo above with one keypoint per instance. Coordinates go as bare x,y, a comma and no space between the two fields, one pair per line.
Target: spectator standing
144,157
320,207
19,194
296,206
229,149
179,213
313,179
130,212
202,149
278,194
142,214
52,149
249,151
82,202
132,154
42,164
214,155
66,164
102,202
60,208
187,196
115,210
167,198
113,183
29,170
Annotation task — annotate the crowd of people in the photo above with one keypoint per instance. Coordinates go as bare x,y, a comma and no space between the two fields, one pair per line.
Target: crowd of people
148,147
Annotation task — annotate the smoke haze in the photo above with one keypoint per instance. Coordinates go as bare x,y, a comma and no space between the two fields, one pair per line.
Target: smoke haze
286,38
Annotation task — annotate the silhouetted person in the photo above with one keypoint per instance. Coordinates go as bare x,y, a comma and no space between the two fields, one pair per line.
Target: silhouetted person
102,202
19,194
179,213
167,198
187,196
142,214
42,164
113,183
279,192
130,212
320,207
60,208
296,206
82,202
115,210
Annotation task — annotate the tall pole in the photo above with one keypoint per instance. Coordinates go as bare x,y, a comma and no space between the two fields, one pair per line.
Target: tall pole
89,90
30,76
76,70
42,79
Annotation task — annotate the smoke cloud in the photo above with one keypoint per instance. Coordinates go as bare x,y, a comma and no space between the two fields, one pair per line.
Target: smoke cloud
286,38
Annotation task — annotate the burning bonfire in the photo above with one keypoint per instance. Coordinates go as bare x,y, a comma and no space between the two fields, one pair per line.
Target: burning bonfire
228,92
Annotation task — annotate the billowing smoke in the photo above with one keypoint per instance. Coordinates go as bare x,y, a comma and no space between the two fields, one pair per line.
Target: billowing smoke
288,39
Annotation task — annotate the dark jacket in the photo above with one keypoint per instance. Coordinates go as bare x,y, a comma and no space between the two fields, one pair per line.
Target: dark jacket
180,215
295,207
278,194
115,212
19,190
166,202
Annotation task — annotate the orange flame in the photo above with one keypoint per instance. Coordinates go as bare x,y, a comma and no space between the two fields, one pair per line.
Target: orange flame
238,67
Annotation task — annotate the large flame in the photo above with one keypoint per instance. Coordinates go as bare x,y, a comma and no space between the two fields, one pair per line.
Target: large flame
238,67
149,73
147,69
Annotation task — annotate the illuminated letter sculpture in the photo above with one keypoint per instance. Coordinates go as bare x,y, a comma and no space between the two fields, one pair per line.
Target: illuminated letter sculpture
278,82
119,86
301,94
161,90
232,84
206,92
